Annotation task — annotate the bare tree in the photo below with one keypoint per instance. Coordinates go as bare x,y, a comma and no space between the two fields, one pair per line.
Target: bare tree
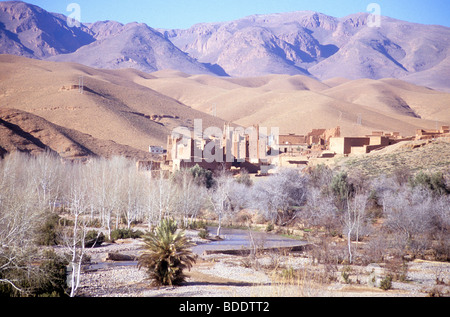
78,205
385,187
321,211
220,198
47,176
133,192
106,190
441,215
161,199
19,216
189,198
354,219
408,214
276,196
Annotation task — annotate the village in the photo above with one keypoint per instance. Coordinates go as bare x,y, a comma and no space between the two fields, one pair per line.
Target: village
262,154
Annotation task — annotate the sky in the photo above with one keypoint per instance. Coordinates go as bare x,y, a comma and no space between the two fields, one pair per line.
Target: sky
182,14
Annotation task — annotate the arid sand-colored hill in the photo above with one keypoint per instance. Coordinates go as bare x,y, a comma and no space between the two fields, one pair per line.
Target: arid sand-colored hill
25,132
124,111
112,107
298,104
429,156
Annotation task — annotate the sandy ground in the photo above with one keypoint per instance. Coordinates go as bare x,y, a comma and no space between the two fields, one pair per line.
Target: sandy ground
232,276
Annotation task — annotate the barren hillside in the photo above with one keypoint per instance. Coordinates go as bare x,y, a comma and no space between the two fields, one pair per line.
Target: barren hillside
297,104
137,109
427,156
25,132
112,107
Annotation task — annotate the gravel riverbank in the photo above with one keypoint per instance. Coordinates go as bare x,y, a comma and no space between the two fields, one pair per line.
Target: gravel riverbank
234,276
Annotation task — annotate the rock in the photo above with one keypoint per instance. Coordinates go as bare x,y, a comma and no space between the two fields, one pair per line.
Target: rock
375,275
117,257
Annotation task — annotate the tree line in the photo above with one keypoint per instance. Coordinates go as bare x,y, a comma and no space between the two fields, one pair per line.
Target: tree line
404,212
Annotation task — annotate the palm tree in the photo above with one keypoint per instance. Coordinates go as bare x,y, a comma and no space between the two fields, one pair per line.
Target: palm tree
167,255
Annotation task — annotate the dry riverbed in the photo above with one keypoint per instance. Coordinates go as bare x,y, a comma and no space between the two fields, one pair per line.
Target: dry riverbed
270,275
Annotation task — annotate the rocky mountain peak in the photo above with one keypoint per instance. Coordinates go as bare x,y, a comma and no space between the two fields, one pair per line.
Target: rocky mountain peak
302,42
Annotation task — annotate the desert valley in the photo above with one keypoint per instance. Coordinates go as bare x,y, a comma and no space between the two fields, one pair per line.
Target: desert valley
360,158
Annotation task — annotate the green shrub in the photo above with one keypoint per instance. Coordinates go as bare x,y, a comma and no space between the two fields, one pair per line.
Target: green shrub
386,283
200,224
48,233
435,182
203,234
47,279
118,234
288,273
346,271
94,239
270,227
202,176
341,188
52,282
94,223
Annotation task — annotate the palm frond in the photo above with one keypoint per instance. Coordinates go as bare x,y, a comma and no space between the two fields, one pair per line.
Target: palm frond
167,254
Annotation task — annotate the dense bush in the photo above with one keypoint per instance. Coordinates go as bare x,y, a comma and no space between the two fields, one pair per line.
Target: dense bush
93,239
53,280
244,178
118,234
203,234
48,233
46,279
202,176
198,225
342,189
51,231
434,182
386,283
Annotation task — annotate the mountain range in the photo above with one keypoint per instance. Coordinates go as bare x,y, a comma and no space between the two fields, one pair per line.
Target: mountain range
297,71
297,43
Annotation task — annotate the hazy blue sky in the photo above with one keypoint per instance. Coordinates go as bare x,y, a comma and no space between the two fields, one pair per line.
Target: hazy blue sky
184,13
